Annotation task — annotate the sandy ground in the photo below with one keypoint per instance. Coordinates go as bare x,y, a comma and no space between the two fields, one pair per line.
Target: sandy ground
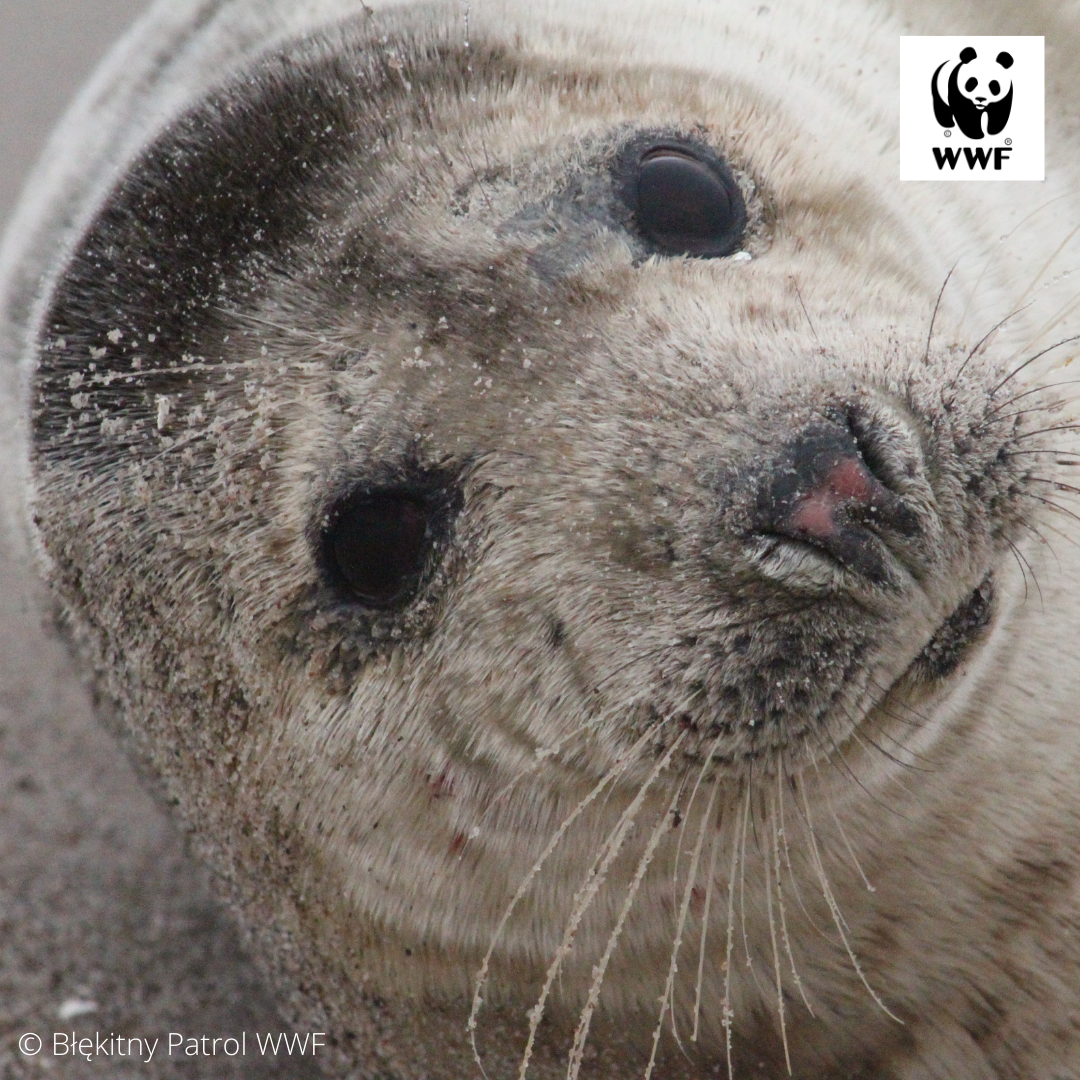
106,926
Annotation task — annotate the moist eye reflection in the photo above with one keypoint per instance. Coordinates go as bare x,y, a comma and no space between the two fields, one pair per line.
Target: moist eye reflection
686,206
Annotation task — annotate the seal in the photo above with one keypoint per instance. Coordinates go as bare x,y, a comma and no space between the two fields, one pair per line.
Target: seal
587,550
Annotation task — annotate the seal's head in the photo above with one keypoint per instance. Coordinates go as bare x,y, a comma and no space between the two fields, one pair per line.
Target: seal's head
473,470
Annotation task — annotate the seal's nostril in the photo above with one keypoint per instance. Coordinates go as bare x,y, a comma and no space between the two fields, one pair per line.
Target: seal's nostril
823,491
846,484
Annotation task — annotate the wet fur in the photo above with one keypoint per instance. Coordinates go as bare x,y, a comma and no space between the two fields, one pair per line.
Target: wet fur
874,800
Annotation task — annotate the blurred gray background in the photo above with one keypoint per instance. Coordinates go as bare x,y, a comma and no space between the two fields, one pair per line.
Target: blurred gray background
106,925
47,49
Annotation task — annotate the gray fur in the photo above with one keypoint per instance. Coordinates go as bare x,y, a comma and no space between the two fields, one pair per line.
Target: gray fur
379,254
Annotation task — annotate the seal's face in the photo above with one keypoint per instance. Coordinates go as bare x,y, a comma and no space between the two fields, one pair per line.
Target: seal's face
441,413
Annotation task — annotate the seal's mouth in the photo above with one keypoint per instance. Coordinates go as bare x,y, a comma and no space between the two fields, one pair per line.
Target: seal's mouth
959,632
939,658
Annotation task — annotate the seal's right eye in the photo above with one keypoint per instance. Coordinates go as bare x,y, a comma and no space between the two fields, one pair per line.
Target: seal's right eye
375,546
687,204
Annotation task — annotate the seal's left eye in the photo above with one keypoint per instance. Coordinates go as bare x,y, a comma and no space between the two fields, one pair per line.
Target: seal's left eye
685,205
375,546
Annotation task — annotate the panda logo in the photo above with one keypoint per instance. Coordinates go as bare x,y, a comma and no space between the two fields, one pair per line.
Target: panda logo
974,94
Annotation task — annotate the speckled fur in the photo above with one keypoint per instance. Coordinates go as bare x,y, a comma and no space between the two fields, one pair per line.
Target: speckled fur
380,252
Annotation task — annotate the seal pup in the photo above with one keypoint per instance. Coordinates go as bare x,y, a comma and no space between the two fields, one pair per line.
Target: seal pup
535,504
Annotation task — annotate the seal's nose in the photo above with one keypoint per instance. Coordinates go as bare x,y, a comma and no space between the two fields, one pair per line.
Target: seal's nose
823,491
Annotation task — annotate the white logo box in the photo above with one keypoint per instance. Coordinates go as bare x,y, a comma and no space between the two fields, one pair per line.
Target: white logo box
930,151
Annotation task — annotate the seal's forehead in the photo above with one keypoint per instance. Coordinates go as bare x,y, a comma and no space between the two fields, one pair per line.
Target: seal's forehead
356,179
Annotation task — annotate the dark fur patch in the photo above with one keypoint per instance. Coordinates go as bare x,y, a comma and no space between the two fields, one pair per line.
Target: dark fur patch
239,189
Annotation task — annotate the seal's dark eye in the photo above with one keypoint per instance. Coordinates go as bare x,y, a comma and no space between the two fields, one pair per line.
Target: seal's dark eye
375,546
686,204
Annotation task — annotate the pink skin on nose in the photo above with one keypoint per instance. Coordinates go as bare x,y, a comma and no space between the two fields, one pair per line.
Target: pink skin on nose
848,481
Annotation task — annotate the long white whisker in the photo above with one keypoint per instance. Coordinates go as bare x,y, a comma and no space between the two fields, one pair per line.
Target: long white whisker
673,965
778,825
986,265
594,879
481,978
776,966
727,1013
847,842
1055,320
538,762
713,852
682,816
791,872
582,1033
834,909
742,890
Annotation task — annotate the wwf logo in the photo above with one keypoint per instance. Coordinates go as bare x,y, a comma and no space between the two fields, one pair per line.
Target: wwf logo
973,93
978,129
